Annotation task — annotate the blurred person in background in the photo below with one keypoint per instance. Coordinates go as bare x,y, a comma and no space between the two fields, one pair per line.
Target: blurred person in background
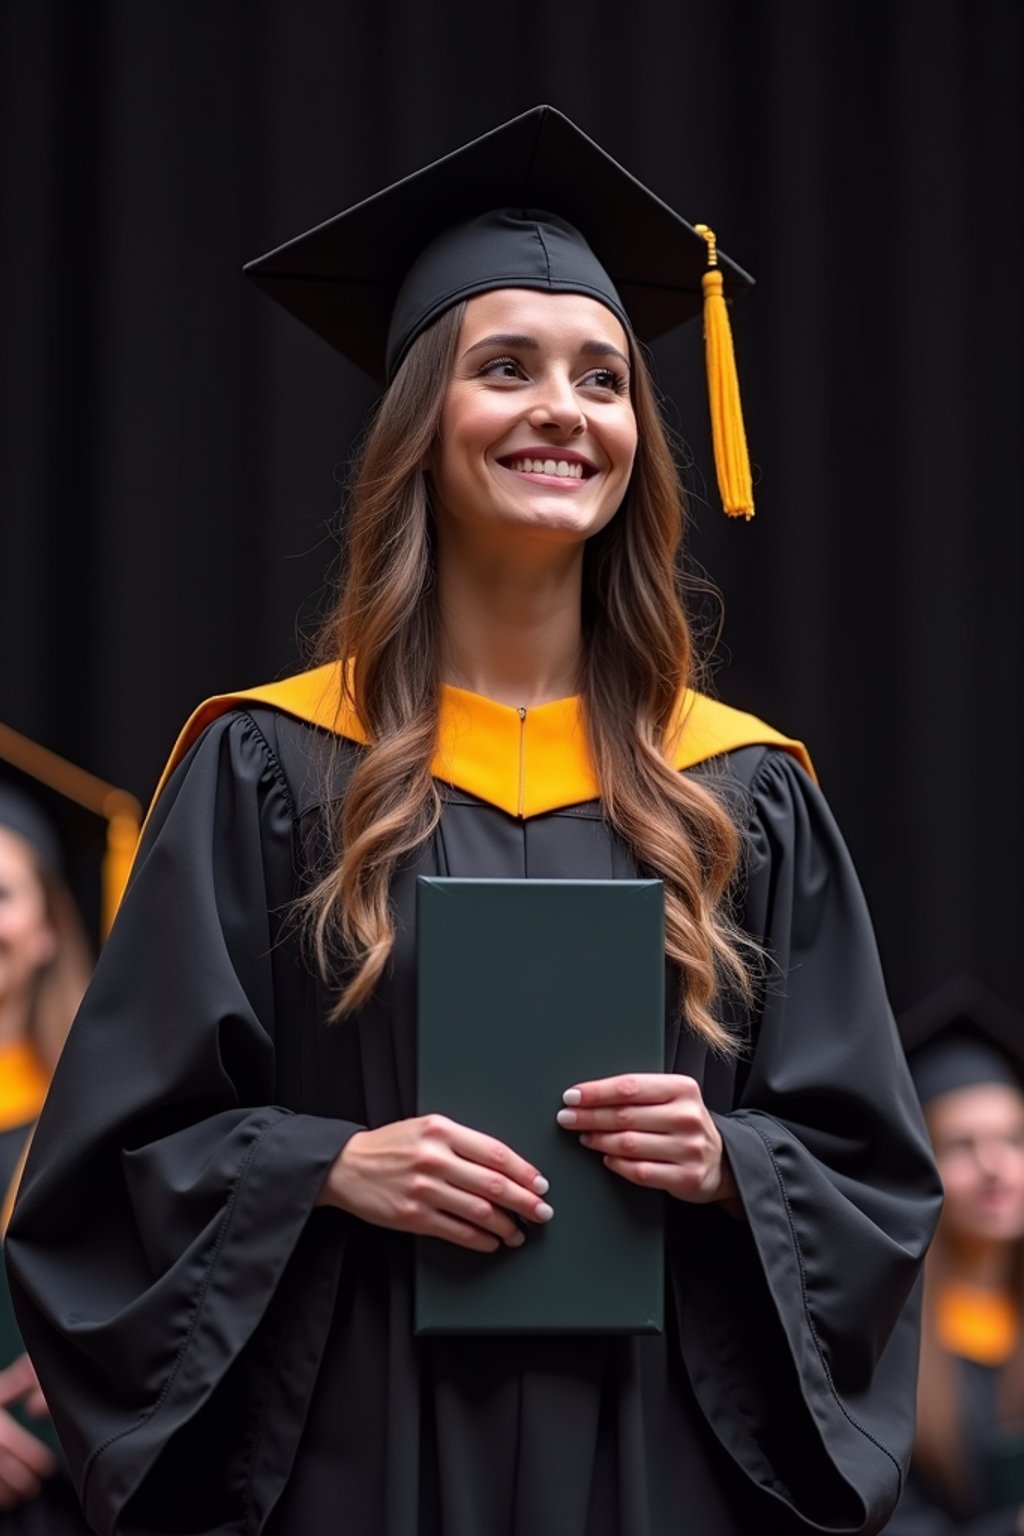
44,967
966,1052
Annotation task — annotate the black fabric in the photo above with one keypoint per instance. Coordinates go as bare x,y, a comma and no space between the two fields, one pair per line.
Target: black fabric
19,814
961,1034
54,1513
959,1060
12,1144
225,1348
503,248
372,278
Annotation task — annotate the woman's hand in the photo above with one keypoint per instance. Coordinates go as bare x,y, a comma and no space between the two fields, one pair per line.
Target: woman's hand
653,1129
437,1178
25,1462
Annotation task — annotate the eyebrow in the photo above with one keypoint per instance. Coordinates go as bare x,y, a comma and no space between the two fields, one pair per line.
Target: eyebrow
518,343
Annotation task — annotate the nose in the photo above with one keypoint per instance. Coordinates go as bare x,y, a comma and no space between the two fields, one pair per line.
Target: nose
557,407
993,1158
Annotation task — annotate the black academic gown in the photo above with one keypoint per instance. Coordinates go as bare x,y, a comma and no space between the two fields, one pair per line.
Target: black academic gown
992,1501
224,1357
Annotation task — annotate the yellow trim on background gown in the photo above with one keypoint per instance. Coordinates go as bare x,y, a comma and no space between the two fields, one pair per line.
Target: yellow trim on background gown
977,1324
23,1084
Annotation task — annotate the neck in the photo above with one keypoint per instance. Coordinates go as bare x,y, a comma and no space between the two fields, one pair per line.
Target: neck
988,1266
511,622
14,1018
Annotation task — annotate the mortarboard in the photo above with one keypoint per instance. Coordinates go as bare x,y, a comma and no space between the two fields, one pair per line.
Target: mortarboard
961,1036
21,815
535,203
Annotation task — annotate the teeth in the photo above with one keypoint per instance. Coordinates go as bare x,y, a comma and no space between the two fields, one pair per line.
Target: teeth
560,467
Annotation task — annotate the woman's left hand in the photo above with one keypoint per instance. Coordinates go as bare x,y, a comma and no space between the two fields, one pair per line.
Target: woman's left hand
653,1129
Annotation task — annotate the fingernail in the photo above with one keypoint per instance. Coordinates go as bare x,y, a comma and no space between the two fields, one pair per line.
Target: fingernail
543,1212
516,1240
566,1117
571,1096
585,1140
541,1185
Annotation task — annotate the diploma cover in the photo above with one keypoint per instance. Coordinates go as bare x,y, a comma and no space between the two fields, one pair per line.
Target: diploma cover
526,987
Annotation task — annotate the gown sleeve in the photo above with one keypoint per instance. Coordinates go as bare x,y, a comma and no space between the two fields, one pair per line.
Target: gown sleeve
800,1324
166,1191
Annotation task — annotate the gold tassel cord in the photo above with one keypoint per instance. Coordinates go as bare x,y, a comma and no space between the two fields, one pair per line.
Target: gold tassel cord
732,460
123,830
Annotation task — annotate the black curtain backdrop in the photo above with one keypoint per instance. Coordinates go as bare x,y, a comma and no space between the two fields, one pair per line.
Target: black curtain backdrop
173,446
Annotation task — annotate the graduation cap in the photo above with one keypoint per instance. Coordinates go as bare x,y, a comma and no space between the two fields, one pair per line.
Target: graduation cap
84,830
962,1036
537,204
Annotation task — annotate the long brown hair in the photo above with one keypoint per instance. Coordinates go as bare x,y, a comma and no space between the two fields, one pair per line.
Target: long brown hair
59,985
62,983
639,655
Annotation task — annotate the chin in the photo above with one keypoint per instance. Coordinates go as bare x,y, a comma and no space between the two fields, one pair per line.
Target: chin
1003,1228
561,517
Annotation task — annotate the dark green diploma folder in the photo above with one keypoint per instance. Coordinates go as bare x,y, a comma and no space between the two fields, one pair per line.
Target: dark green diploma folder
525,988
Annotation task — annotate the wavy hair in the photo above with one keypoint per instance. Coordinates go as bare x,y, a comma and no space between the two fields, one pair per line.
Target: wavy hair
638,656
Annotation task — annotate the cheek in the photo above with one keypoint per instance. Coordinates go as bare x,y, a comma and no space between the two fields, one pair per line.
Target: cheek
459,456
960,1186
623,446
23,932
476,423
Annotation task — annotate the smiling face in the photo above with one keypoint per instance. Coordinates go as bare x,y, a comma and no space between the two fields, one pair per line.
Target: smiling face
978,1135
537,432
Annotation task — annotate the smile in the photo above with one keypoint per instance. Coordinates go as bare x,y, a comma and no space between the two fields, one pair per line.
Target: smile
562,469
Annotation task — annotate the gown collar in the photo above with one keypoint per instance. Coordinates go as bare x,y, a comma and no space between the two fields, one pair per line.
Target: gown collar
526,762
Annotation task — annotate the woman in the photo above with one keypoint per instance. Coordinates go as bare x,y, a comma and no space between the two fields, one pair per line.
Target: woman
503,691
43,972
967,1475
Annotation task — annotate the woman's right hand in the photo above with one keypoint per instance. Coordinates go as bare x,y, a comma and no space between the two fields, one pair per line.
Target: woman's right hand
437,1178
25,1462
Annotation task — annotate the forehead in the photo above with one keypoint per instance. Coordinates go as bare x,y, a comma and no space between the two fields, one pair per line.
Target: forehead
16,857
550,318
974,1111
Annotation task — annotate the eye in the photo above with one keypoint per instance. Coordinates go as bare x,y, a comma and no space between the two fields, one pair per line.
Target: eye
502,368
610,380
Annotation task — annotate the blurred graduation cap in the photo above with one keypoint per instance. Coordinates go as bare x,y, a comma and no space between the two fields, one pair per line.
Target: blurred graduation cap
536,204
961,1036
84,829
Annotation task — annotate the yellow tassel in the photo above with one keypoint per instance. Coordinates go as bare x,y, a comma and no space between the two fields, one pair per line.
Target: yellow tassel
122,813
732,461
